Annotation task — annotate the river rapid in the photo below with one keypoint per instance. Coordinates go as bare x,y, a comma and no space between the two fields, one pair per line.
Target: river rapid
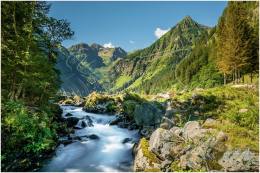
107,153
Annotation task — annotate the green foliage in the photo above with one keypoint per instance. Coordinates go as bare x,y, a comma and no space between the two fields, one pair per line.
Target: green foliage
29,39
112,106
26,131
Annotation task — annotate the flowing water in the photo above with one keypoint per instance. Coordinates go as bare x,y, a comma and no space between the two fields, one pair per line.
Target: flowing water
107,153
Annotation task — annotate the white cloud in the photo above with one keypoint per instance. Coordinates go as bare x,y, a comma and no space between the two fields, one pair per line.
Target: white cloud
131,42
160,32
108,45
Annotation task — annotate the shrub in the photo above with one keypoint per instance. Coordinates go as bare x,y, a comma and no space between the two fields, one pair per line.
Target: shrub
25,132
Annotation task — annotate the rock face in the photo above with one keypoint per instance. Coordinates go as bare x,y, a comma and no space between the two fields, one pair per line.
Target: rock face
238,161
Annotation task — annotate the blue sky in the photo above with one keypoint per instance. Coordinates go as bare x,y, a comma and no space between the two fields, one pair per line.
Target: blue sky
130,25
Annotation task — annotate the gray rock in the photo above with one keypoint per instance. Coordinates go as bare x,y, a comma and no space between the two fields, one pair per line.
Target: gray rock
72,121
93,136
209,122
87,122
221,137
123,124
126,140
161,142
157,140
193,130
116,121
147,114
132,126
165,164
68,115
176,131
195,159
238,161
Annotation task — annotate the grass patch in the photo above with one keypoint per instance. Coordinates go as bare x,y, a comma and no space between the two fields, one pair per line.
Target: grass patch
238,137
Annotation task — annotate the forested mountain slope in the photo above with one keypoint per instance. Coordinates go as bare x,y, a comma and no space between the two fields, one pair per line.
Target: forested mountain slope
75,78
153,69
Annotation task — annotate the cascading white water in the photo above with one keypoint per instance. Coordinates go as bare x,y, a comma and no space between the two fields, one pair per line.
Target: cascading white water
108,153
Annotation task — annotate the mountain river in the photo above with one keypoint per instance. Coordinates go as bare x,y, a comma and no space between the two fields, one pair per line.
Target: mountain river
106,152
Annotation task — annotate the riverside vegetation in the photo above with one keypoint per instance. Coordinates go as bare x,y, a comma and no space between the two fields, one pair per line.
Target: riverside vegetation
192,95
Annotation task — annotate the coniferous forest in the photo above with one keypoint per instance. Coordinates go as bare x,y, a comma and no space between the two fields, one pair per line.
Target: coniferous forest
188,102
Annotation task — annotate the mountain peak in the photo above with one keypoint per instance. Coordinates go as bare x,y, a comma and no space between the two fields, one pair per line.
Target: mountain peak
188,18
96,46
187,22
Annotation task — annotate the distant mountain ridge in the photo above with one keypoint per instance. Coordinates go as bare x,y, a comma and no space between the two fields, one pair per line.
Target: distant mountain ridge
78,66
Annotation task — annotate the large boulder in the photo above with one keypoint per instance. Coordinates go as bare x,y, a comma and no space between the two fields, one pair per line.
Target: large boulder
204,152
147,114
162,141
195,159
239,161
72,121
192,130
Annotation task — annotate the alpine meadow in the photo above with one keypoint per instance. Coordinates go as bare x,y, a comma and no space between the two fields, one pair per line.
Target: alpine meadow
185,100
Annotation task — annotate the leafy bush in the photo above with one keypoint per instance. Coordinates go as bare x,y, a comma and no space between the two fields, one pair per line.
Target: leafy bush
25,131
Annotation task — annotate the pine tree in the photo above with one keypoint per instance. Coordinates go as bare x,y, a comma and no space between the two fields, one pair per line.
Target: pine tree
234,41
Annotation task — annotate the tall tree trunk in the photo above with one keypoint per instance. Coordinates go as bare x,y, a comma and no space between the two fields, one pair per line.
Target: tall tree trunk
19,90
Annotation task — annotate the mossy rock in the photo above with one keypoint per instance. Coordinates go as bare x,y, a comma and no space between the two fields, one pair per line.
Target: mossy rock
147,114
148,154
129,107
68,102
